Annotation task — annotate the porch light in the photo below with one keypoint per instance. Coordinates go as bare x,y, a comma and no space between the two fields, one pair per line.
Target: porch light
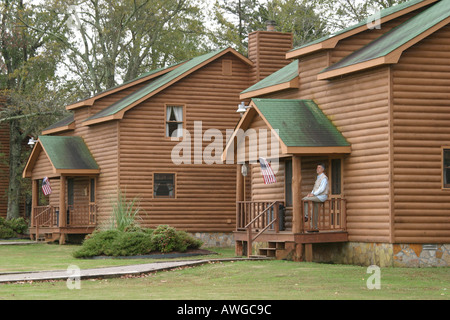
244,169
32,142
242,108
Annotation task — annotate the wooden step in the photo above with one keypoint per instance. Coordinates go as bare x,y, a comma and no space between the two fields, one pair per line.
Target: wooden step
268,252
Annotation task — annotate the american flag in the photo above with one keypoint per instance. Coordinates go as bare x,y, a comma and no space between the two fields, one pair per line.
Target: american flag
46,186
267,172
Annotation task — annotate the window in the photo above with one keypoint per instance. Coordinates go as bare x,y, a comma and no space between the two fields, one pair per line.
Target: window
164,185
446,168
335,176
174,121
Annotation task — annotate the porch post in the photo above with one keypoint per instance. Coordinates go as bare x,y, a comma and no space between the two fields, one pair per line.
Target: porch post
297,211
239,250
34,202
62,208
239,183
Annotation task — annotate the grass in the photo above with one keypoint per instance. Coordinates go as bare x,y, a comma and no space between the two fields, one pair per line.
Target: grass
242,280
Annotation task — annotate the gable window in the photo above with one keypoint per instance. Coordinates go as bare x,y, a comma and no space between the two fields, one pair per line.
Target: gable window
174,121
446,168
164,185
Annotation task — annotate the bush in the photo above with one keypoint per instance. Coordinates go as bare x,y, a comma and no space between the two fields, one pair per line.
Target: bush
12,228
139,241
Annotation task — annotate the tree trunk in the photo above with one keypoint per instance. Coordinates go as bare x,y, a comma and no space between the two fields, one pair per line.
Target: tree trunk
14,171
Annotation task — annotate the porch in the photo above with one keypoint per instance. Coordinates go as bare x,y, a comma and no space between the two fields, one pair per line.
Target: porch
268,222
64,178
46,222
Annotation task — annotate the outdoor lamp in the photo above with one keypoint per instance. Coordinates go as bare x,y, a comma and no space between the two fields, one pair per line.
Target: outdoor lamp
32,142
242,108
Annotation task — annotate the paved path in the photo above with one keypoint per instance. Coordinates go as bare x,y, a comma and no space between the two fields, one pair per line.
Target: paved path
97,272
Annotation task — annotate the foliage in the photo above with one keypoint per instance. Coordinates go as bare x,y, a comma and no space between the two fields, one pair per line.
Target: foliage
344,13
137,242
125,213
12,228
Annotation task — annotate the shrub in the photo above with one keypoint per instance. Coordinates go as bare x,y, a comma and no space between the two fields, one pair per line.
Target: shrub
97,243
12,228
167,239
125,212
137,242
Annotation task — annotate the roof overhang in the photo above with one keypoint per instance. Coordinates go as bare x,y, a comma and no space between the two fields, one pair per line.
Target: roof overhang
286,149
392,57
129,103
333,40
81,160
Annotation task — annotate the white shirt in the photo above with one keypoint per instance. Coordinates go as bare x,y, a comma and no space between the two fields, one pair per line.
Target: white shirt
321,189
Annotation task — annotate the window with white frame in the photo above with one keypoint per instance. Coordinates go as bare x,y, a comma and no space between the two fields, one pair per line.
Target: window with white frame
174,121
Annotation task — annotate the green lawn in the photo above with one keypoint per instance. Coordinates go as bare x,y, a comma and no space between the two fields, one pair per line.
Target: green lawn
270,280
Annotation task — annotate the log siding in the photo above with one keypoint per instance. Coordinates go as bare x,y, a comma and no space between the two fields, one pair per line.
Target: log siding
421,95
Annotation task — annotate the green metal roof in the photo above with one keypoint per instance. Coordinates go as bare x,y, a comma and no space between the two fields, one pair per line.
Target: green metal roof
301,123
398,36
283,75
154,85
61,123
68,152
383,13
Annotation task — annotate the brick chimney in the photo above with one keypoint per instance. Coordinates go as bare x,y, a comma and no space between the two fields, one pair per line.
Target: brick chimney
267,49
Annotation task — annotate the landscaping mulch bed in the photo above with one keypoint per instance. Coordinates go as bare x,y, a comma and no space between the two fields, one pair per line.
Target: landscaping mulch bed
159,255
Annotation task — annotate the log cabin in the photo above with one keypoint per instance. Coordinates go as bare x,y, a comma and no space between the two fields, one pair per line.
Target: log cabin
372,102
149,138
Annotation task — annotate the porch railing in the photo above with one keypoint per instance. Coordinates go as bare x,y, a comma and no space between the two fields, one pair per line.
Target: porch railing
257,217
331,215
48,216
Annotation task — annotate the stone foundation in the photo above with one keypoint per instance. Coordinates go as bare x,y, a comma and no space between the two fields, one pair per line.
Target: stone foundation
383,254
215,239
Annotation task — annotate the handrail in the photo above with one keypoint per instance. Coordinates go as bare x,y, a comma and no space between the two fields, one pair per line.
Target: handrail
259,215
36,223
248,227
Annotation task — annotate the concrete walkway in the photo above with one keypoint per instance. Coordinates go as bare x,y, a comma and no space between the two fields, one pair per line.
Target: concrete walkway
106,272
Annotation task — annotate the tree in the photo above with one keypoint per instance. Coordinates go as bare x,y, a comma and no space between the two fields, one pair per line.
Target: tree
235,19
28,60
343,13
298,17
110,41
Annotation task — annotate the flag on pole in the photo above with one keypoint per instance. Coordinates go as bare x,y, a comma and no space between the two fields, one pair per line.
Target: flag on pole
267,172
46,188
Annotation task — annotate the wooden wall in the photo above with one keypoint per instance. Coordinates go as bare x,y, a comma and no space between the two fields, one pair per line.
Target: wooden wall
103,142
359,106
421,115
205,194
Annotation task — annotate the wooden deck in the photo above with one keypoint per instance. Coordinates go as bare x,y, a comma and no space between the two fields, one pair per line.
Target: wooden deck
263,222
46,222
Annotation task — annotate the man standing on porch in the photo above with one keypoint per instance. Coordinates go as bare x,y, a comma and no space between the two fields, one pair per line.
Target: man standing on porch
318,194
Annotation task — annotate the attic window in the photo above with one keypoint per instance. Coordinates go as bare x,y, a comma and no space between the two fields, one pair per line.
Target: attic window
174,121
446,168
